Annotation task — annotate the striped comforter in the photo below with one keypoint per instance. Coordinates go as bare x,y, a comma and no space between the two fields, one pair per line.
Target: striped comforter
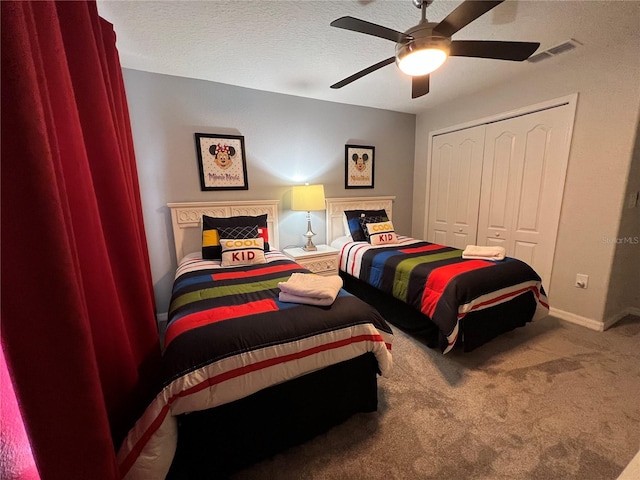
438,282
229,336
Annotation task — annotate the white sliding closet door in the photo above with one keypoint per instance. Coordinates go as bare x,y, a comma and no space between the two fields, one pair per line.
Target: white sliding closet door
454,196
524,169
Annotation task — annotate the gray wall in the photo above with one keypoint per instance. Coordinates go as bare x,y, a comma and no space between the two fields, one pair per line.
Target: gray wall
597,173
625,274
288,140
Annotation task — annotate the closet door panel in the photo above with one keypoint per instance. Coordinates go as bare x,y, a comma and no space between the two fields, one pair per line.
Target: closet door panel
530,198
444,184
497,180
523,181
439,237
495,242
461,189
440,187
461,240
525,251
454,193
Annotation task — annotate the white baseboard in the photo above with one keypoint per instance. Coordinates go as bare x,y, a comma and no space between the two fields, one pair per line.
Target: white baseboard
591,323
577,319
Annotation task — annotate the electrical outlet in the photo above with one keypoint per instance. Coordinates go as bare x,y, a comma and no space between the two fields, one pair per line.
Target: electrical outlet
582,281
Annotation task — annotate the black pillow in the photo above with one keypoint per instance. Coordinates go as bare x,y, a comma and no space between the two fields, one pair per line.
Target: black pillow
241,233
211,249
353,220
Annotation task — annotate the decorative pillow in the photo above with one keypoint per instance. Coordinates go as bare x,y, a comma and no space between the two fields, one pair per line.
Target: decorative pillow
381,233
242,251
211,236
365,220
353,218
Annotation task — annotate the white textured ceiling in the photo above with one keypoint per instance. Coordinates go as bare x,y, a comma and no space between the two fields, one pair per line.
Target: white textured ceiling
288,46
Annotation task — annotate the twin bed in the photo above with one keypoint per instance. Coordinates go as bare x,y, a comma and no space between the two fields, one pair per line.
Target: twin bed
246,375
431,290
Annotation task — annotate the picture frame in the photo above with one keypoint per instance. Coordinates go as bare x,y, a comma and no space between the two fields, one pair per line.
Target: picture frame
359,165
221,162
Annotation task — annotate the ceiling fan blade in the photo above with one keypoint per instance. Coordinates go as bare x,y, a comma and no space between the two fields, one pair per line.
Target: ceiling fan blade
516,51
364,72
419,86
361,26
462,16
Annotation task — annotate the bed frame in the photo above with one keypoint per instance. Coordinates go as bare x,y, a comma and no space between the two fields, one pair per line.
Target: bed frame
217,442
476,328
337,206
186,220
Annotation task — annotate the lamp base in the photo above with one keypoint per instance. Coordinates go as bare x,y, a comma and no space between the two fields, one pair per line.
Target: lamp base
309,247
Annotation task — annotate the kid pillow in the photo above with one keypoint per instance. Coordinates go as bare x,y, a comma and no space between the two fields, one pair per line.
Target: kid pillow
374,219
242,251
353,219
381,233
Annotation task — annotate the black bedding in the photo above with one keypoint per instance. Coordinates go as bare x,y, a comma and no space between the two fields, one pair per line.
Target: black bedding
476,329
430,289
229,337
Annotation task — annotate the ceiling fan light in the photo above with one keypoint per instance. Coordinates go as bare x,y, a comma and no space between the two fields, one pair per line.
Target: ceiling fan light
420,62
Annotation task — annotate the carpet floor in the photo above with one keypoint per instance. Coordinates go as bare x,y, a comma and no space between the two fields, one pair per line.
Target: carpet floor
551,400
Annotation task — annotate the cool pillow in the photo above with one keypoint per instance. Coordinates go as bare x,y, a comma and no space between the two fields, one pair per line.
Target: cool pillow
242,251
381,233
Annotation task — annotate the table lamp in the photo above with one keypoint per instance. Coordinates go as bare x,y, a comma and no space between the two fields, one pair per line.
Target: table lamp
306,198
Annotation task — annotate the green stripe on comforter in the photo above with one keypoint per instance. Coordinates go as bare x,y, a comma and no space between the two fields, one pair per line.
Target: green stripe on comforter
226,290
405,267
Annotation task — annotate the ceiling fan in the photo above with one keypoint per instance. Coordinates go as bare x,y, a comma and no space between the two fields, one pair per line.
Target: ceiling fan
424,47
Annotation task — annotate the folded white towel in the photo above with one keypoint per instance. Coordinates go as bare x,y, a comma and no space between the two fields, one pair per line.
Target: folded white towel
484,253
291,298
310,288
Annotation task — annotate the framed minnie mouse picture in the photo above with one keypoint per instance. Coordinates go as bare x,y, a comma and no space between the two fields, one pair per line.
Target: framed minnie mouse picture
221,161
358,166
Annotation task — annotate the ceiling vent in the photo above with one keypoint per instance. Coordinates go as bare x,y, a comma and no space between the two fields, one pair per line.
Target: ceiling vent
553,51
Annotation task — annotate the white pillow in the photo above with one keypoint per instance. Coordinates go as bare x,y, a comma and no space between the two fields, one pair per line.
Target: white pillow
247,251
345,225
381,233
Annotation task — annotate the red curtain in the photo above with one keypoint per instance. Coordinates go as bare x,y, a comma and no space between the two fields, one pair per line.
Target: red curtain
77,306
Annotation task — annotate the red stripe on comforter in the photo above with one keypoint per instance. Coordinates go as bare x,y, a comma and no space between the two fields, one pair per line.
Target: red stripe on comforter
219,314
426,248
440,277
252,273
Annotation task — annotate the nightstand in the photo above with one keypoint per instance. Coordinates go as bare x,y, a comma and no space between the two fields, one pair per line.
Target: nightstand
323,261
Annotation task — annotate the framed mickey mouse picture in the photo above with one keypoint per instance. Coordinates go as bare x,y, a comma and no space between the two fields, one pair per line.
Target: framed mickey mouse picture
358,166
221,161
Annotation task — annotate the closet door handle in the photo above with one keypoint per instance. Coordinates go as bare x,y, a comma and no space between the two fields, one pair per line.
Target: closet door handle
497,234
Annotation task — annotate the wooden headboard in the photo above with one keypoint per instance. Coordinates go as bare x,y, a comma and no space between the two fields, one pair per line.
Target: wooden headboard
337,206
186,219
